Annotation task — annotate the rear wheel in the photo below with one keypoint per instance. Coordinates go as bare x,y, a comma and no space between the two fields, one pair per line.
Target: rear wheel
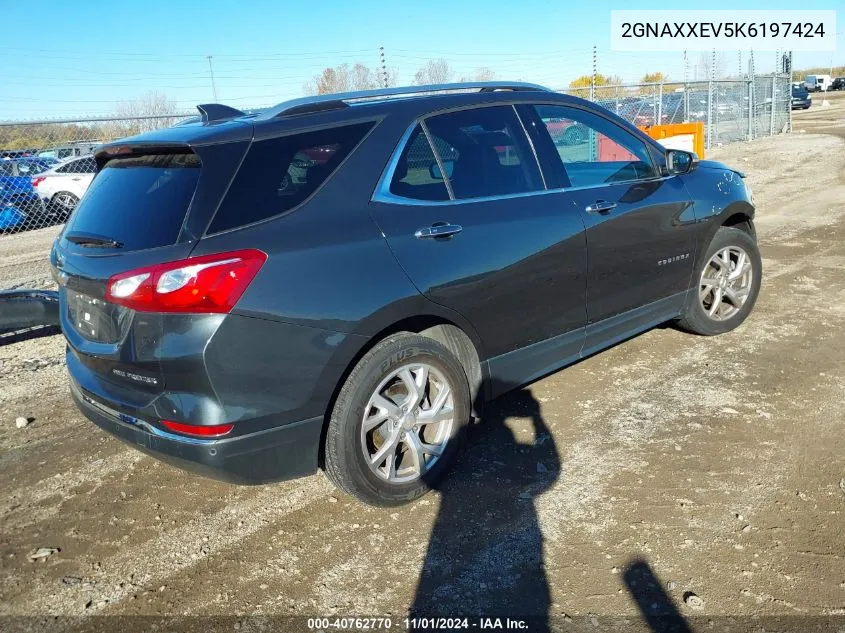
64,203
728,284
398,421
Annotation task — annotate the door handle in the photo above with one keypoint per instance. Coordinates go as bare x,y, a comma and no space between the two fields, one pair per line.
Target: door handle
439,229
601,206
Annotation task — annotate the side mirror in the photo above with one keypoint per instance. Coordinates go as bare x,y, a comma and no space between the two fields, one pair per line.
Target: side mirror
436,174
680,162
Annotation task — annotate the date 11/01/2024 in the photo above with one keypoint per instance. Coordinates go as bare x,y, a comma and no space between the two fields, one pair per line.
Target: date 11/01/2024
419,623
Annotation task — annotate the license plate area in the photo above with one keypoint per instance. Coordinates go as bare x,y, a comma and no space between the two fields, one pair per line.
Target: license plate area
95,319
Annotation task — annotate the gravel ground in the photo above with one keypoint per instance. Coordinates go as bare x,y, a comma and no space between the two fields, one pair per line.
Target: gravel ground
697,478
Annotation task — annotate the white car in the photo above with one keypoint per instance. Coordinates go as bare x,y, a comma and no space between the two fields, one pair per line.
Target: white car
62,186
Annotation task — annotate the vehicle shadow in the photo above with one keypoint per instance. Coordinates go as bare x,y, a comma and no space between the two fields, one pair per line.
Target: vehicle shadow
485,554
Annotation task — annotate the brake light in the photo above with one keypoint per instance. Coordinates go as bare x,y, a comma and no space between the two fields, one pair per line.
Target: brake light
205,284
198,430
37,180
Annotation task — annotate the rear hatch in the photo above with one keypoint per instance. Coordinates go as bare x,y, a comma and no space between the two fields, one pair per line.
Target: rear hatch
147,205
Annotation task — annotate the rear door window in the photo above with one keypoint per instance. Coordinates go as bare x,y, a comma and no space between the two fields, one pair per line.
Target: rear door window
417,175
139,201
85,165
485,152
279,174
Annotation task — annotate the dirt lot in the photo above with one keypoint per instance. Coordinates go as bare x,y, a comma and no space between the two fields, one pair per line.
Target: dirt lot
715,464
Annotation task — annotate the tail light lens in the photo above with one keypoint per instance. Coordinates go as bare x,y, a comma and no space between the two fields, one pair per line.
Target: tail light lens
205,284
37,180
197,430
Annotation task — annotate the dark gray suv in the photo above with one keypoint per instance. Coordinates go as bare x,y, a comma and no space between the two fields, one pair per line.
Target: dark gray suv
343,281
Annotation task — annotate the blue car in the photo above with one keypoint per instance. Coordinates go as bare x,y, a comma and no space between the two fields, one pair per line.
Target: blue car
801,99
20,205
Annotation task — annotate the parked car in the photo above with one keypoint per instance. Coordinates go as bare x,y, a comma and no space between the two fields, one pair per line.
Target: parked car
77,148
20,206
228,313
837,84
16,153
63,185
801,99
817,83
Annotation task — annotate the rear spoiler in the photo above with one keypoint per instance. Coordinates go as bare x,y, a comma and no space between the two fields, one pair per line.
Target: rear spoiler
22,309
126,149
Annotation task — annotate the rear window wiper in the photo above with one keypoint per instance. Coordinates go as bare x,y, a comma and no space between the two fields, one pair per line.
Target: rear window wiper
94,241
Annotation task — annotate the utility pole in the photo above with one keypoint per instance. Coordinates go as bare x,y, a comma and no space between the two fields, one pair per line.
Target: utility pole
593,79
383,66
213,85
789,69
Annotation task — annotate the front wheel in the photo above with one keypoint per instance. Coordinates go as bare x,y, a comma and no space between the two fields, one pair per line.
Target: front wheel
728,282
398,421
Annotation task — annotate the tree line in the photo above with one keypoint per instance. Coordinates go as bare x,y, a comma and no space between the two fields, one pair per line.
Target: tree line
346,78
126,119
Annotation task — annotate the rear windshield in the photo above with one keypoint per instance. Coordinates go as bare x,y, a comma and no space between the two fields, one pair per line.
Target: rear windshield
140,201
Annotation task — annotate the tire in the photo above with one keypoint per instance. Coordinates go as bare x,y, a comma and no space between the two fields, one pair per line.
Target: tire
700,301
64,202
349,450
573,135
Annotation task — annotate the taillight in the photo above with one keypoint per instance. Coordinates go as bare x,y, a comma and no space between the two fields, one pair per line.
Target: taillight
197,430
37,180
205,284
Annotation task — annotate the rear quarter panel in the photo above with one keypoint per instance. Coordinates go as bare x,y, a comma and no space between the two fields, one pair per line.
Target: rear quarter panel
330,284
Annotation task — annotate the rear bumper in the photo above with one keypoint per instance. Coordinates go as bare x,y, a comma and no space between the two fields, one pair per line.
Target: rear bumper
273,454
21,309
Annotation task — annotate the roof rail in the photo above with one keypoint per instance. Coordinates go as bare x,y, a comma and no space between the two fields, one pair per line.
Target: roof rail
320,103
217,111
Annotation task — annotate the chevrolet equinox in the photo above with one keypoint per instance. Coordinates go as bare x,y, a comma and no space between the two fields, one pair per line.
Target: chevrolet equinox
342,281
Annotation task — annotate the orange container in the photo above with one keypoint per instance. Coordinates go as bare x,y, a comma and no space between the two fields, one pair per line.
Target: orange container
686,136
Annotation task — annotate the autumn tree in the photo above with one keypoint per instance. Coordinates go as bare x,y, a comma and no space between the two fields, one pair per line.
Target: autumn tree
654,78
581,85
152,104
152,111
344,78
480,74
709,63
435,71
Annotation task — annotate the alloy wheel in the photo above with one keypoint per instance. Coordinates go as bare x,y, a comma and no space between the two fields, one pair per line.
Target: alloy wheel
67,201
407,423
726,283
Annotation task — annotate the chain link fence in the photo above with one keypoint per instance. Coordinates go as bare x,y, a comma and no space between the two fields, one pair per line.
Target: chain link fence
46,166
731,109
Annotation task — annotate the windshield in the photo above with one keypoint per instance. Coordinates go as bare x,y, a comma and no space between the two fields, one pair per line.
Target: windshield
139,202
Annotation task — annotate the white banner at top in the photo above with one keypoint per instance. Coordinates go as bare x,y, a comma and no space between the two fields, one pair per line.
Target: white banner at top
769,30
